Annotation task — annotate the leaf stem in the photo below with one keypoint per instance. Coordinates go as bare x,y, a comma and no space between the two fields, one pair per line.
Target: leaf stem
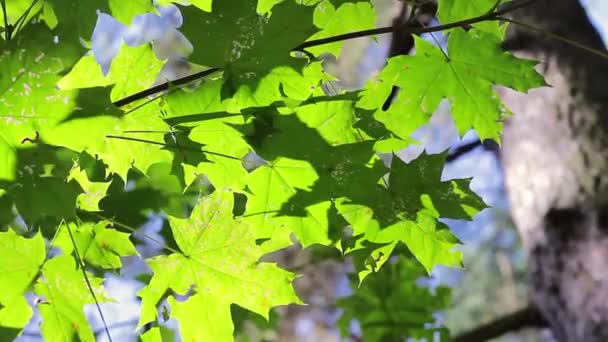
86,278
135,231
7,27
173,146
20,22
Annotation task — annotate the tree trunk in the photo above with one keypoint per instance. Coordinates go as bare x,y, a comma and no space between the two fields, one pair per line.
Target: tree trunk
554,154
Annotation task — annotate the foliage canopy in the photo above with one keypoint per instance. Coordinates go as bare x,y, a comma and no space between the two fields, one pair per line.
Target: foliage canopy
252,160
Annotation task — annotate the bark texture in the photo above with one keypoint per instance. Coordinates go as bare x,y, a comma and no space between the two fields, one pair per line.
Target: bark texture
555,151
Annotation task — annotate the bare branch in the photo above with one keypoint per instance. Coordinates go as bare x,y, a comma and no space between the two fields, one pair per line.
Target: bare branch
526,317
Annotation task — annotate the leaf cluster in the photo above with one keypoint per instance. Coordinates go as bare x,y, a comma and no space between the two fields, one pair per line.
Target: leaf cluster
252,160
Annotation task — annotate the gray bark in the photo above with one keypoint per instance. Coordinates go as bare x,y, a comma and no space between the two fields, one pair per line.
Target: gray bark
554,154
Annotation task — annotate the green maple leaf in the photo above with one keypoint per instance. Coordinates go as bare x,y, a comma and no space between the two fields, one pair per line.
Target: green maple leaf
133,140
323,132
19,267
134,69
15,314
213,130
125,11
264,6
29,101
158,190
338,19
475,63
238,39
271,186
455,10
98,244
91,175
393,297
214,320
333,118
220,263
407,211
43,191
47,197
65,293
15,9
236,35
76,19
205,5
417,185
428,240
294,191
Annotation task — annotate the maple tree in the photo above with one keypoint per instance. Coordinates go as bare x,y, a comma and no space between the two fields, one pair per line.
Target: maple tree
253,155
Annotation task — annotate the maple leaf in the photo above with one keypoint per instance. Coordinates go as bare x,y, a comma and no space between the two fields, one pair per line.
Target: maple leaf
19,267
408,211
211,124
98,244
465,76
455,10
65,293
238,39
220,263
393,296
336,19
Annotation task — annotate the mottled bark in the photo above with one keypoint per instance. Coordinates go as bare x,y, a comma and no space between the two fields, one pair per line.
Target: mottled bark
555,159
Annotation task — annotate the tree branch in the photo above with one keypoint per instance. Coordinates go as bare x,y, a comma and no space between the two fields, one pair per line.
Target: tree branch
412,28
526,317
488,145
401,43
165,86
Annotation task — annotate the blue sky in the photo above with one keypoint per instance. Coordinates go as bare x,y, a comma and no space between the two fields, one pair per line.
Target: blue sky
598,13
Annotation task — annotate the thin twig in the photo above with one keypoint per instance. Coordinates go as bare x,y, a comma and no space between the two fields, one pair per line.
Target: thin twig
416,29
495,6
7,27
136,231
173,146
556,37
457,152
145,103
165,86
86,278
21,21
